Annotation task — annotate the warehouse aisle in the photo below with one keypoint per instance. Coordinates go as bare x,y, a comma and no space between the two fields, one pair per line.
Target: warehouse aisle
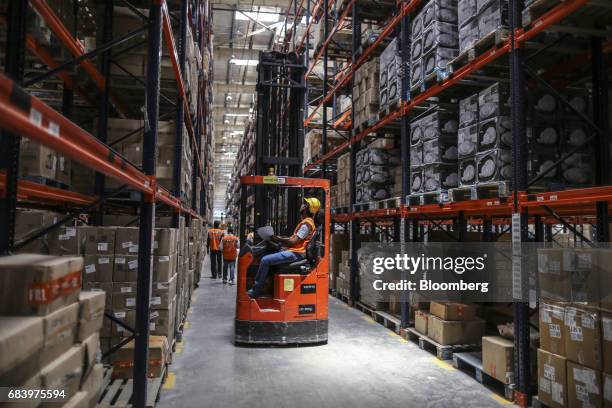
363,365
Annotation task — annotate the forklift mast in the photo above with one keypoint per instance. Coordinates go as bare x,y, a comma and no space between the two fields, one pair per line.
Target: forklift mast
279,138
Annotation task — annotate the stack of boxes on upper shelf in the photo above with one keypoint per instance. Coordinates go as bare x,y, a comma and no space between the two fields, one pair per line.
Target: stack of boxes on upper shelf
575,355
378,174
313,144
365,94
485,139
479,22
392,73
433,151
435,41
50,337
485,136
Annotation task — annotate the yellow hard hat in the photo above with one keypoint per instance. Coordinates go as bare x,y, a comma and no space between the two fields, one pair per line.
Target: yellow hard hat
313,204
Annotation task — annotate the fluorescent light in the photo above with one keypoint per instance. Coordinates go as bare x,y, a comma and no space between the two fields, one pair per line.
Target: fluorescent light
238,114
259,17
243,62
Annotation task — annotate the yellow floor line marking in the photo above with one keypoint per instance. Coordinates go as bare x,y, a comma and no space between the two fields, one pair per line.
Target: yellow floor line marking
178,349
403,340
368,318
393,334
170,381
186,325
500,399
189,311
442,364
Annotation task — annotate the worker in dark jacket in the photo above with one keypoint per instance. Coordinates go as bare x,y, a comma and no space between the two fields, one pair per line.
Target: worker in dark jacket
215,235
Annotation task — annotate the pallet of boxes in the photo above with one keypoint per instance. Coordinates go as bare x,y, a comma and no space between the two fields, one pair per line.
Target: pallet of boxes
449,324
50,329
343,187
339,244
366,94
575,355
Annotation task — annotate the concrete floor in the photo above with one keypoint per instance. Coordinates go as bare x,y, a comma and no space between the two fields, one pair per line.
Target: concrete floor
363,365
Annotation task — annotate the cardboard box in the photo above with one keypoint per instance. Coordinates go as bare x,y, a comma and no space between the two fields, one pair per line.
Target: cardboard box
552,320
64,240
92,384
126,240
498,358
65,372
124,295
105,287
583,386
98,240
554,281
123,360
582,332
164,267
421,320
36,160
164,241
29,222
91,347
59,332
63,169
125,268
552,379
98,268
21,343
91,314
452,310
28,283
126,316
162,321
604,271
455,331
163,293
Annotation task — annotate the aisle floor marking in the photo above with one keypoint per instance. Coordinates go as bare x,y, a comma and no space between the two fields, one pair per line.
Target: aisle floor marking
500,399
442,364
368,318
170,381
186,325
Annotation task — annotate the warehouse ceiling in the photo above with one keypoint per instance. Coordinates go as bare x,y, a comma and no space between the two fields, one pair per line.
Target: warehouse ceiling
241,30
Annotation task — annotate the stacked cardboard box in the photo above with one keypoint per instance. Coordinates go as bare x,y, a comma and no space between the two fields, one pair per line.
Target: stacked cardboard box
375,173
49,338
344,181
339,244
450,323
41,164
313,144
391,74
344,274
485,136
479,19
433,152
574,364
365,92
435,41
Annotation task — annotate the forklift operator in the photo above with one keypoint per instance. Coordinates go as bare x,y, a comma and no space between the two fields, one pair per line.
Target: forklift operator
295,245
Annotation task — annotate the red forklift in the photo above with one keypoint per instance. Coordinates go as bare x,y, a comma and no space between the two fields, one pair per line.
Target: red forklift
293,309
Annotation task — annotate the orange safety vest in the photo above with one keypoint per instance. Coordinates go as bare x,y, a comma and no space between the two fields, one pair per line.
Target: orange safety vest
301,246
230,247
215,235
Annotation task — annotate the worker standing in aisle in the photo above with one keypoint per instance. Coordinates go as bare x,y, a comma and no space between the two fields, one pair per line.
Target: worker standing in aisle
215,235
295,245
229,247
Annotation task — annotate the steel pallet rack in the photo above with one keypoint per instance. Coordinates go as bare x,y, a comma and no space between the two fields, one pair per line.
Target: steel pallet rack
22,114
523,207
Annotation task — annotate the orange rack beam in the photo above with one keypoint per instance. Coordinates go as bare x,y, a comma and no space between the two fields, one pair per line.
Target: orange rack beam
28,116
73,45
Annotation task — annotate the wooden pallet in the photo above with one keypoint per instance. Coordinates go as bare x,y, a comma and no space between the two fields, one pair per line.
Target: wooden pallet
341,210
536,403
495,38
340,296
499,189
394,202
443,352
433,197
471,362
537,8
438,75
388,320
119,392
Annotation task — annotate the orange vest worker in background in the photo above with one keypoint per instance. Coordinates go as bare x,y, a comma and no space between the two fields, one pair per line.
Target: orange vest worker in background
229,247
215,235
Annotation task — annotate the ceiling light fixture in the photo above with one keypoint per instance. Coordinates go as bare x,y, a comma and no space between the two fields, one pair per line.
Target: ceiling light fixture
244,62
256,16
